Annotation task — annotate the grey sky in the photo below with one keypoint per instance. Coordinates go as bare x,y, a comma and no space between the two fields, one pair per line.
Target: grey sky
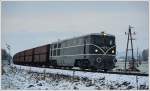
30,24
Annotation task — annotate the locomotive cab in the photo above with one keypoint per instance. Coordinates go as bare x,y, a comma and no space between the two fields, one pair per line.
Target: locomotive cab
103,50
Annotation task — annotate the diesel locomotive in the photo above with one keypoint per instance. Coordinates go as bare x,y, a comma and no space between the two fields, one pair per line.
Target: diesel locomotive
93,51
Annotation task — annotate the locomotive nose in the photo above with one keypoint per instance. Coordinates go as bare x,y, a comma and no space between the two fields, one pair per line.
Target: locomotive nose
99,60
105,62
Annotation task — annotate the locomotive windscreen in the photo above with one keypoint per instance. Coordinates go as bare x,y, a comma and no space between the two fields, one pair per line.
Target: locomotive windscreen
102,41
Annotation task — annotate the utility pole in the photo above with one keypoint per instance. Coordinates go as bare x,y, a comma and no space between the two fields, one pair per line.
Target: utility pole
137,61
84,51
126,50
130,38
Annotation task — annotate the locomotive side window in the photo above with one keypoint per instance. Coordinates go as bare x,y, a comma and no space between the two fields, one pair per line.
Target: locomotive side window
74,42
66,44
51,50
88,40
80,41
71,42
54,49
63,44
59,45
55,45
54,53
58,50
77,41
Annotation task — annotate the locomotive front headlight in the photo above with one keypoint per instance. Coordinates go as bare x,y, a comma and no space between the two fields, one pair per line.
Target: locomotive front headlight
112,51
96,50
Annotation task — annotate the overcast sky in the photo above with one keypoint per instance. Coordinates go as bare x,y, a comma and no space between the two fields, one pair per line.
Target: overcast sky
29,24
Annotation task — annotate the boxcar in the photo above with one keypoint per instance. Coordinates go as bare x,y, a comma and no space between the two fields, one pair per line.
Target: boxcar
41,55
28,56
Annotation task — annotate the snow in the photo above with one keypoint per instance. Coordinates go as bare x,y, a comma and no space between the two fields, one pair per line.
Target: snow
143,67
21,77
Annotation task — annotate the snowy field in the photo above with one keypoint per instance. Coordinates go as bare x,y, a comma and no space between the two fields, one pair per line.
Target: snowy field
21,77
144,67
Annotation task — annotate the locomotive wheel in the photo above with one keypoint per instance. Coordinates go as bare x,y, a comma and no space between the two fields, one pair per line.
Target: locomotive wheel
83,67
56,67
54,63
105,70
70,67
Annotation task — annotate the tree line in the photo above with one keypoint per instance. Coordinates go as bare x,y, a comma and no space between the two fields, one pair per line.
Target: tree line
145,54
5,56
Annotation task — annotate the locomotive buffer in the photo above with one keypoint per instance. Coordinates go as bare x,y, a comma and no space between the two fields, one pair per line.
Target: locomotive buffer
132,66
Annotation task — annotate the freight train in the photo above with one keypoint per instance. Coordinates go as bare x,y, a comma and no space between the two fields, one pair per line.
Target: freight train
93,51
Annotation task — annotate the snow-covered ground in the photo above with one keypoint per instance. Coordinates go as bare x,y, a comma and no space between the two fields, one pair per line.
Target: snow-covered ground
21,77
144,67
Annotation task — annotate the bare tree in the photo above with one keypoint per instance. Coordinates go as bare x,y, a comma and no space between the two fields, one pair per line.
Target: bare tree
145,54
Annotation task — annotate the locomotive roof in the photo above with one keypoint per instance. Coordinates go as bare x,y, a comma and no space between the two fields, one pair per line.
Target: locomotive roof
83,36
70,39
101,34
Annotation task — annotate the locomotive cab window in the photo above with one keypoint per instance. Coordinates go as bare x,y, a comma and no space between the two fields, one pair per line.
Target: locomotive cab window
110,42
98,40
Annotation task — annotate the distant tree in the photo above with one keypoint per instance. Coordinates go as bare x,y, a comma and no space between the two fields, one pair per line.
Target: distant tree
6,57
145,54
4,54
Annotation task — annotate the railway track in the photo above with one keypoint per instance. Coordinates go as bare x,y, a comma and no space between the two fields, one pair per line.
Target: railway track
109,72
121,73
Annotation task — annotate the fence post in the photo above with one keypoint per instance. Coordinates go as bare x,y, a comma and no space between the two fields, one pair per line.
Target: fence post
105,82
20,68
44,73
73,77
137,82
30,69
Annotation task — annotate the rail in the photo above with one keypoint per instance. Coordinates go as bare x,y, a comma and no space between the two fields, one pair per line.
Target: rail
99,71
111,72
